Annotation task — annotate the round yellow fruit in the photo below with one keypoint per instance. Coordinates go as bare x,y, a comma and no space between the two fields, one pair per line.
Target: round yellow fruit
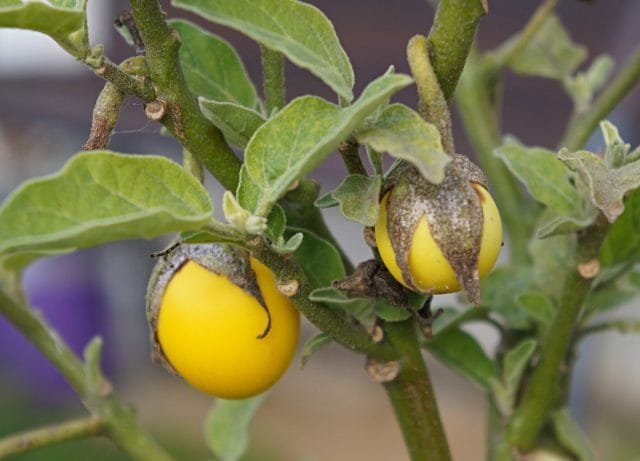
429,268
209,330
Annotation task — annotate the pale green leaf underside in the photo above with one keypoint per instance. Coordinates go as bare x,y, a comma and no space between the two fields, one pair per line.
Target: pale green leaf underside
98,197
301,136
227,427
62,20
607,186
212,67
298,30
312,345
550,53
402,133
236,122
544,175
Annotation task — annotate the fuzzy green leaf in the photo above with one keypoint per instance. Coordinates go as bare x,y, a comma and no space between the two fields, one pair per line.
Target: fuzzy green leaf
361,309
571,436
583,86
550,53
451,318
460,351
538,306
312,345
500,289
552,260
404,134
302,135
607,186
545,177
212,68
359,198
237,123
227,427
62,20
622,243
102,196
298,30
319,260
515,363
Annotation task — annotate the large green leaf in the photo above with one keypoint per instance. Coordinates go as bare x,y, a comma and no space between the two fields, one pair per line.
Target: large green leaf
237,123
212,67
553,259
550,53
298,30
299,137
499,292
62,20
227,427
403,133
99,197
544,175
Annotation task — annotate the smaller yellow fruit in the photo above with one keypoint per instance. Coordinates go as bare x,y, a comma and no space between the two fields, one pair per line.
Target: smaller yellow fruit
429,268
209,329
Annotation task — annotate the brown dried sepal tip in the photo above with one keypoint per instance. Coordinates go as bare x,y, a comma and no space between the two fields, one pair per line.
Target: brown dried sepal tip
220,259
454,214
371,279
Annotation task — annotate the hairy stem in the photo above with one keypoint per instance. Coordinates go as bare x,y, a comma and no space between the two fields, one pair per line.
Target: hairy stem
94,390
273,79
351,157
432,104
343,330
582,124
412,397
544,389
450,39
478,113
50,435
182,118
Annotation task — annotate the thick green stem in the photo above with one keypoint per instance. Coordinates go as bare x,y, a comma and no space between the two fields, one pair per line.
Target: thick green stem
181,114
544,389
582,124
478,114
412,397
95,392
273,79
50,435
450,39
432,103
349,151
343,330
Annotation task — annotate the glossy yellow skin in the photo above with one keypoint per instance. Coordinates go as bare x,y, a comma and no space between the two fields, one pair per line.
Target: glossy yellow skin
431,271
208,329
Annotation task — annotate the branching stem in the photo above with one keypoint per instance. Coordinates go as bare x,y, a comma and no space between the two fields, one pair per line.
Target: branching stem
183,118
94,390
50,435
